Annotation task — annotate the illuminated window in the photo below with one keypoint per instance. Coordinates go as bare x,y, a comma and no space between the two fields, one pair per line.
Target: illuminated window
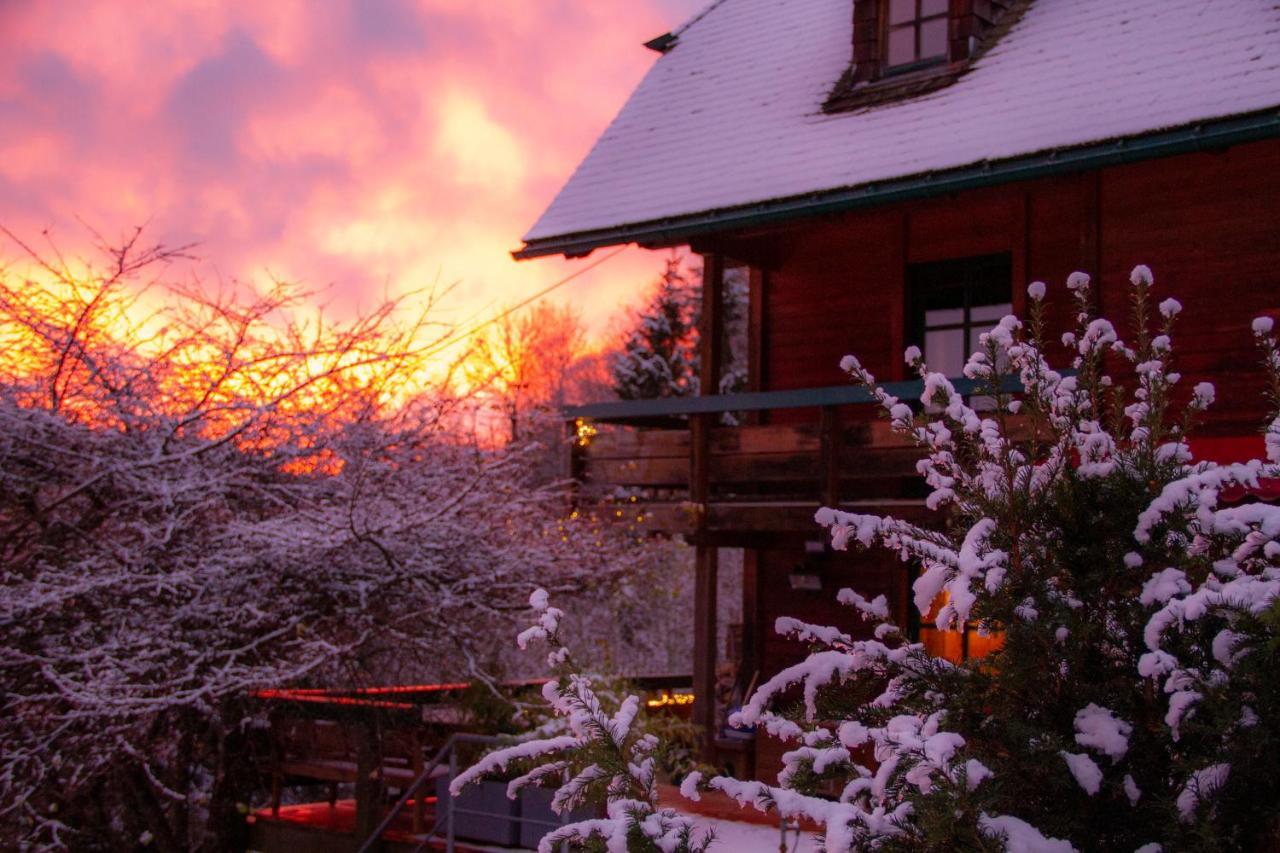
915,32
952,303
957,645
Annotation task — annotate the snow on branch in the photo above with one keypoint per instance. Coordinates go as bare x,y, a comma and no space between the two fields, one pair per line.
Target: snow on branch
603,761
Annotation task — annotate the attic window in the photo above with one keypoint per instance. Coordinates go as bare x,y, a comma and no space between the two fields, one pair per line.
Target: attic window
906,48
915,33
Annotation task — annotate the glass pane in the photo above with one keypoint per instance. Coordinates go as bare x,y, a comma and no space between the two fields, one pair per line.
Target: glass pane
1002,362
902,45
944,351
933,38
980,646
936,294
901,11
942,644
929,8
991,314
943,317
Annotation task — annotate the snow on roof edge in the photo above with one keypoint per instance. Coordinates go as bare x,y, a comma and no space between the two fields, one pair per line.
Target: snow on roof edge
1071,73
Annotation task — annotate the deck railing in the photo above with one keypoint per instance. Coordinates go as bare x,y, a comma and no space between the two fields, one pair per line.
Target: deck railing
671,465
639,412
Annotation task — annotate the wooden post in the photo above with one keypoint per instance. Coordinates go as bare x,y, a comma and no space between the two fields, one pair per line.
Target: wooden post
711,344
757,282
704,648
420,796
571,449
368,794
277,758
574,462
829,435
752,641
711,328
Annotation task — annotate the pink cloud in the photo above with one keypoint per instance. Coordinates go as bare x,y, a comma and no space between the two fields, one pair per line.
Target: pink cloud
361,144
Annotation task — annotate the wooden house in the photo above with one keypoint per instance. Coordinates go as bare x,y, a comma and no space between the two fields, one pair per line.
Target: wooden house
894,172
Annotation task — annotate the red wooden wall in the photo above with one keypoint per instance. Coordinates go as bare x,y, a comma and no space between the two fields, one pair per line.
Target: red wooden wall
1207,224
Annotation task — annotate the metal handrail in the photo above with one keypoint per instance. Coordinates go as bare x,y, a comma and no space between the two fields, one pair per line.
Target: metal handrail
425,776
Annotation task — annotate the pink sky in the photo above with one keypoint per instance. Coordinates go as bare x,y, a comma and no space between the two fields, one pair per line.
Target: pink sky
360,143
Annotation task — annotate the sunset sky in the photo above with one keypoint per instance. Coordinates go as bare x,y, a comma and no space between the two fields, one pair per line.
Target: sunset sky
364,144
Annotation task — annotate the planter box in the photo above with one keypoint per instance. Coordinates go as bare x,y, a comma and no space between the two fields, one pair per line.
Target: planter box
482,812
537,819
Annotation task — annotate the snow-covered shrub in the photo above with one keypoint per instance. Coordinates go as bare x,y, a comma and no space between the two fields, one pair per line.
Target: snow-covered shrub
601,757
1131,703
220,500
1133,699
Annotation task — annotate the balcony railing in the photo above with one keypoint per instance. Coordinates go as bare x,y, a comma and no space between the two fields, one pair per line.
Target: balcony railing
669,465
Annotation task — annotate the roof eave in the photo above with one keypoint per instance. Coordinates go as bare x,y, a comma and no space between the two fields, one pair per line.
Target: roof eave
1185,139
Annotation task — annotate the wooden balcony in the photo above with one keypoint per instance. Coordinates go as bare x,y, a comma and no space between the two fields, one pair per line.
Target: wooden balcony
668,466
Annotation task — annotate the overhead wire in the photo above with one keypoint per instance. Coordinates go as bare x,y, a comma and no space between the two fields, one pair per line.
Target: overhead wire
524,303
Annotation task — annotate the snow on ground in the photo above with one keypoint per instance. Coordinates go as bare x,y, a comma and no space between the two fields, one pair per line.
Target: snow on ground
741,837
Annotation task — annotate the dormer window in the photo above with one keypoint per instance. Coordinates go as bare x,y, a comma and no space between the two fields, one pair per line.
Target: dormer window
915,33
907,48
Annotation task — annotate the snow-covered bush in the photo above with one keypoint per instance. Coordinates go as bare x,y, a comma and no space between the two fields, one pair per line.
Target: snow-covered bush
1131,703
210,498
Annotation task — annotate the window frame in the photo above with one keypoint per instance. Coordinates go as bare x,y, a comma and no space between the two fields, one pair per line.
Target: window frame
916,23
972,274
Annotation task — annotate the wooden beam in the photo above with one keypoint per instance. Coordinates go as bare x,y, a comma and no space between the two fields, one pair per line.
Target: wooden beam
752,618
368,793
757,281
796,398
711,326
829,432
704,647
711,342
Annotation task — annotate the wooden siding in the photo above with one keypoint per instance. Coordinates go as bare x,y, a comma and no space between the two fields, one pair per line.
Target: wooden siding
1207,224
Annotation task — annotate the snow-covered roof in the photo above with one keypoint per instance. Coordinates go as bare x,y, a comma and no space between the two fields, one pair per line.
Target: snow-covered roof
731,116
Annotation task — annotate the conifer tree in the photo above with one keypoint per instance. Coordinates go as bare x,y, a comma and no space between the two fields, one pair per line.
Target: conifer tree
659,355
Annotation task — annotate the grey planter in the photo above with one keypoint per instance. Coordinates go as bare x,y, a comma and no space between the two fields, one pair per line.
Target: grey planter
482,812
537,819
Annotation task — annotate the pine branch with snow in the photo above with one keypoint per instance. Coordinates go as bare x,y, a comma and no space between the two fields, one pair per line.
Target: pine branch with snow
603,759
1128,703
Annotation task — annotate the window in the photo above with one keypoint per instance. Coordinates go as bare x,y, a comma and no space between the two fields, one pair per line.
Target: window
957,645
964,642
895,39
915,32
952,303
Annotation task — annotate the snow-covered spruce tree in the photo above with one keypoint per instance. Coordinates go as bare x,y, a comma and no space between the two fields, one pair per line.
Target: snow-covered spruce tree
1132,703
658,357
600,757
